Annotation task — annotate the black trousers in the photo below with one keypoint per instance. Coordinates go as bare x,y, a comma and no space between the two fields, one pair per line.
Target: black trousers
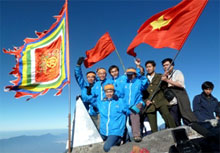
175,113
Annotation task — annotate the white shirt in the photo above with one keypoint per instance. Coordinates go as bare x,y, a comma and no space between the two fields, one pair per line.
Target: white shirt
177,76
150,77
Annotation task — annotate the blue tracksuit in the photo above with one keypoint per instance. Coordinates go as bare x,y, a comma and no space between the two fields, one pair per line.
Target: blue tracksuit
112,116
118,83
98,89
85,97
121,81
132,90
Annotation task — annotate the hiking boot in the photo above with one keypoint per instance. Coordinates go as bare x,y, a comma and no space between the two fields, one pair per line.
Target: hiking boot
137,139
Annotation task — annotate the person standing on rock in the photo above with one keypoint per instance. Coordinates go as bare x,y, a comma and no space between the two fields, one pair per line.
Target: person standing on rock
133,96
158,102
179,101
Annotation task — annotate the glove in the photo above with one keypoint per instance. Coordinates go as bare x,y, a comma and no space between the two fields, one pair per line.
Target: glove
89,90
80,61
115,97
134,109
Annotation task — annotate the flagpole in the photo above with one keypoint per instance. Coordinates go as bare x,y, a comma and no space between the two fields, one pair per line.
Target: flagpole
68,69
69,120
123,66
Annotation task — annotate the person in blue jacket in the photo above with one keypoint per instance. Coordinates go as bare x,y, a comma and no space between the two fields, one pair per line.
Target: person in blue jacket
133,96
114,72
86,87
113,112
205,104
98,88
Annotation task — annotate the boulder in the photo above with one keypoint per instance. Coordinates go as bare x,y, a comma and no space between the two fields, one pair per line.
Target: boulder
158,142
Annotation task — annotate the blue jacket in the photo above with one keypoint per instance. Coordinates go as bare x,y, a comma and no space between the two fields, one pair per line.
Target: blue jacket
83,84
98,89
132,91
119,80
118,83
112,116
204,107
143,78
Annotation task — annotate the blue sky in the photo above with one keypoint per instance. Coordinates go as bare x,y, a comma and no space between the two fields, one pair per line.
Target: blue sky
199,59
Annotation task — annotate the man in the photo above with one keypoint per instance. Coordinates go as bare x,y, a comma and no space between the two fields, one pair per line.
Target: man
98,88
116,79
114,72
180,104
113,112
158,101
205,104
85,87
133,96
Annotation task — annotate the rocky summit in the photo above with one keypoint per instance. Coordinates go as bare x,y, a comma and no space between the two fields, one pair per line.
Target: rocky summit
158,142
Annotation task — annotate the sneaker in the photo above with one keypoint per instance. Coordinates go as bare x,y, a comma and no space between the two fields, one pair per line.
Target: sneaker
137,139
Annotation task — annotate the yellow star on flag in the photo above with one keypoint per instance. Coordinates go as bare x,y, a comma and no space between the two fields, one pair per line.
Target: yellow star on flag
160,22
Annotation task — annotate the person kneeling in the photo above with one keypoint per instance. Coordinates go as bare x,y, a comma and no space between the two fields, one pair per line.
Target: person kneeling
112,117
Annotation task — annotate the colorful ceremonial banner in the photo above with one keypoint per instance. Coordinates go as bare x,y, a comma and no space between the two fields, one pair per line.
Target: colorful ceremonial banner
103,48
169,28
43,62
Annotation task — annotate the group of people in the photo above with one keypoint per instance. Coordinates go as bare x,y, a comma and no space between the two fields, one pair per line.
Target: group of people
127,101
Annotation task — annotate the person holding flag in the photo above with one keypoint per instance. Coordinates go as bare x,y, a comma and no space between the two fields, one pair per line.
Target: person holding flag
132,90
86,87
176,94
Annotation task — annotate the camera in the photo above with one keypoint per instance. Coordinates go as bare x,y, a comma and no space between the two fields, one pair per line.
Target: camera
182,143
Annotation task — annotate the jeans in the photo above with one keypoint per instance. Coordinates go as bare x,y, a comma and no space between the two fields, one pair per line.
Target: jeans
110,141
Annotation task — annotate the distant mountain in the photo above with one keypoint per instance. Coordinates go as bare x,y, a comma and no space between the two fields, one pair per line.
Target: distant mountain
47,143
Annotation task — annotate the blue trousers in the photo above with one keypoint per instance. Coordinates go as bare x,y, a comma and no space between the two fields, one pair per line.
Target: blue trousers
111,140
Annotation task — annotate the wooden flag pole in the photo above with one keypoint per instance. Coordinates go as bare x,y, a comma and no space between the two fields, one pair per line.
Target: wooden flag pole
123,66
68,69
69,121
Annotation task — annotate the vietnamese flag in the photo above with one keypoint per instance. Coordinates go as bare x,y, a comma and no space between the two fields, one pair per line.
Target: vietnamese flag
102,49
169,28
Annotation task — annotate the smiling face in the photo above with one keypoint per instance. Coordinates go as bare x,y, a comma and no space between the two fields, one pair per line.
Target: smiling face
109,93
166,65
101,74
150,68
90,78
114,72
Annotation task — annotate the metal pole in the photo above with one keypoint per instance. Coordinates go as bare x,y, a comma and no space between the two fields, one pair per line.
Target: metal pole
120,59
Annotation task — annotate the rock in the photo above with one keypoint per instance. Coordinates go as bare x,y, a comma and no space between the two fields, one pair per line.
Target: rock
158,142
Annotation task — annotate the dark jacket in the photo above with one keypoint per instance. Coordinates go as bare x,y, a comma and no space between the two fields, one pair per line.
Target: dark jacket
158,99
184,104
204,107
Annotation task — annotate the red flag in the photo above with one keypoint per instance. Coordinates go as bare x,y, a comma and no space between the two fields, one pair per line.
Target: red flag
169,28
102,49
